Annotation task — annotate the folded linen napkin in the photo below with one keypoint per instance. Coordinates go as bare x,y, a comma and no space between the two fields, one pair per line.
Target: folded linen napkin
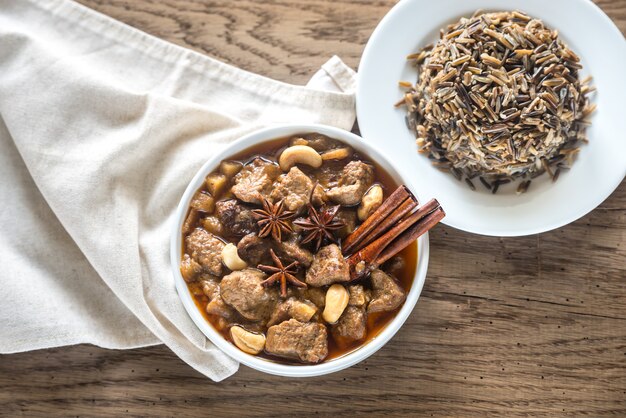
101,128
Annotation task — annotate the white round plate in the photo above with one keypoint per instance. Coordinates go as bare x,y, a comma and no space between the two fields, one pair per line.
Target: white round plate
600,166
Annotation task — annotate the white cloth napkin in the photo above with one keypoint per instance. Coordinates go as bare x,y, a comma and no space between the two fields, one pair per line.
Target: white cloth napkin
101,128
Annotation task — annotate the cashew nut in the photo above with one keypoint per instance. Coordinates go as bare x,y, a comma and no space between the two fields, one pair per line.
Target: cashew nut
247,341
299,154
298,141
337,298
337,154
231,258
370,202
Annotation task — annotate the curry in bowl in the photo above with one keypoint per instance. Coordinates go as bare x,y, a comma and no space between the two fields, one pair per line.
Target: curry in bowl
300,250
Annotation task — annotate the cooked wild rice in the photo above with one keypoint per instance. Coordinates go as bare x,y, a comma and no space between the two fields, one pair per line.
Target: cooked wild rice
498,97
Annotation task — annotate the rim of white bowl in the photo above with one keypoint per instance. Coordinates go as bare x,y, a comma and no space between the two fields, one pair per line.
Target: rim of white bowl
258,363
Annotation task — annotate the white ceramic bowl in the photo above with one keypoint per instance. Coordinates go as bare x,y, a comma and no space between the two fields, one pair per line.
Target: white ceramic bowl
257,362
601,164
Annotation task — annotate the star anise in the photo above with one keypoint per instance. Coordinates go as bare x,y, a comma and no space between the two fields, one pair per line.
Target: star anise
320,225
272,219
280,273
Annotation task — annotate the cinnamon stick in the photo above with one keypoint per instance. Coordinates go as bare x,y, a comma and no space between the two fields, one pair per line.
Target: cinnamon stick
374,249
396,199
395,239
411,234
396,216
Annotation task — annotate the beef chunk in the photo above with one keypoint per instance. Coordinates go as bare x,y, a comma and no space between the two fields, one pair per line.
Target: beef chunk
387,293
394,266
302,310
294,188
292,339
328,175
243,291
236,218
210,285
256,251
348,217
290,251
359,296
352,325
216,305
355,179
206,249
253,249
255,180
317,295
328,267
189,268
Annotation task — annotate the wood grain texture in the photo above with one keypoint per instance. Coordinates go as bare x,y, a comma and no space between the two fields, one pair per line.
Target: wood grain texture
504,327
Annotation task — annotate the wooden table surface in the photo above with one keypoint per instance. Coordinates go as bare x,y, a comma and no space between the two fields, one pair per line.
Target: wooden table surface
533,325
